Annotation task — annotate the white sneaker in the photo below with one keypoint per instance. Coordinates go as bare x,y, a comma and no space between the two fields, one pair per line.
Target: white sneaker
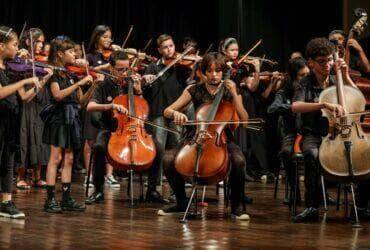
91,185
111,182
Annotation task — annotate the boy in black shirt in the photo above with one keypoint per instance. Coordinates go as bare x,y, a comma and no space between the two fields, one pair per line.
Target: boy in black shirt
319,53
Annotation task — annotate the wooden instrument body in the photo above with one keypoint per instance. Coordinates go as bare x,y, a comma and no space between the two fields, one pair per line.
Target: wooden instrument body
332,152
130,146
214,160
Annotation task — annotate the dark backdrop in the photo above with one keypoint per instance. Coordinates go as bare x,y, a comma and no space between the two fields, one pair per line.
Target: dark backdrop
284,26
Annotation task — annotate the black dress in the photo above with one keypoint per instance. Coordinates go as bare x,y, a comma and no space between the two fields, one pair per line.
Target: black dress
9,135
62,128
32,150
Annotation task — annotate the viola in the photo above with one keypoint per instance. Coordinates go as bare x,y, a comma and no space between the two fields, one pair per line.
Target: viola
24,67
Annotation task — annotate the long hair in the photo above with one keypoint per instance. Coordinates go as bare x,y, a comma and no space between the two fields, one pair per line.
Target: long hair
60,43
94,39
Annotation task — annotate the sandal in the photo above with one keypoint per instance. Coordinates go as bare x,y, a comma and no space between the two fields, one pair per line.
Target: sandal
23,185
39,184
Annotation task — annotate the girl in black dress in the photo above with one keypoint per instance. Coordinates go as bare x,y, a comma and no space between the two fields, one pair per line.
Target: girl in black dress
62,125
101,39
33,153
9,122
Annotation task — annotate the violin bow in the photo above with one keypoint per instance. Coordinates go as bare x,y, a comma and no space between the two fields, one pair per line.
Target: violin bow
22,31
155,125
208,49
160,73
84,55
147,44
250,51
36,89
127,37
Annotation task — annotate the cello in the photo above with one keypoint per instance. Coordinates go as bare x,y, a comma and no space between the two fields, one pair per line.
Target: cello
344,153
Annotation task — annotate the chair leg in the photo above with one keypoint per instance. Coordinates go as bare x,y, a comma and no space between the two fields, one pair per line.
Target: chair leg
277,181
295,190
324,193
338,196
141,188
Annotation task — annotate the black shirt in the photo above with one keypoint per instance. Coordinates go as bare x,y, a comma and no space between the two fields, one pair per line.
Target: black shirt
282,105
308,90
166,90
96,59
105,94
10,103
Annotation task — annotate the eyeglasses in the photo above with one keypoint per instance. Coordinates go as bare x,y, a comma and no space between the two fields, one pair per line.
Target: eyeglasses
323,62
120,69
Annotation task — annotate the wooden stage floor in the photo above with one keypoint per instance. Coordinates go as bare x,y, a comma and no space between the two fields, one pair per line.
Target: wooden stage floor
113,225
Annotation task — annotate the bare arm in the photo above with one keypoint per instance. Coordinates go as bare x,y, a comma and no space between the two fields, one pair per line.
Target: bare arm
178,105
59,94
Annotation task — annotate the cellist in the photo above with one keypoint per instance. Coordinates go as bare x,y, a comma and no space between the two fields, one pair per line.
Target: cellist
319,53
102,102
212,68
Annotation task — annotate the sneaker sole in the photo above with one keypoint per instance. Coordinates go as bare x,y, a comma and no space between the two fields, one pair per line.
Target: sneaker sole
14,216
244,217
163,213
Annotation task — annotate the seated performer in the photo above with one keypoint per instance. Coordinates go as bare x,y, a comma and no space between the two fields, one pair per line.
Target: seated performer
319,53
213,67
102,102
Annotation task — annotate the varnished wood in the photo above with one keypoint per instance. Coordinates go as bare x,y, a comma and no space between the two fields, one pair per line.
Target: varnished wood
113,225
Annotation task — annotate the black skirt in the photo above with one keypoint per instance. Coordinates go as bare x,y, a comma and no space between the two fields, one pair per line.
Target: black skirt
61,135
89,131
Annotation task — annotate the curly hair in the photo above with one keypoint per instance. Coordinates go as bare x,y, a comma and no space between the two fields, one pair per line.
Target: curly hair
320,46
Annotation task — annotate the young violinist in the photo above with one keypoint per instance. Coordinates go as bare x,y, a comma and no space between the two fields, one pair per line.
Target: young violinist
246,76
62,129
319,53
33,153
360,62
213,67
10,112
100,41
160,94
101,106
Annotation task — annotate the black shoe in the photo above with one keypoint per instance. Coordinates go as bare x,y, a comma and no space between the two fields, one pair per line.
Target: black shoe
72,205
9,210
248,200
52,206
310,214
363,214
154,197
239,213
172,210
96,197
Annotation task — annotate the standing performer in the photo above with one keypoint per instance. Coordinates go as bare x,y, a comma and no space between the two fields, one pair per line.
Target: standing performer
62,125
213,67
33,153
160,95
9,122
100,41
319,53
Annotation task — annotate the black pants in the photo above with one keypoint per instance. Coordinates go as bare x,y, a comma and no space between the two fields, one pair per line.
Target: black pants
7,151
363,194
310,149
236,177
258,148
286,157
100,150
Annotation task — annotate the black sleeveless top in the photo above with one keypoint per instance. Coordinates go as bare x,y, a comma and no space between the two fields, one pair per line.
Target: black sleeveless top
200,95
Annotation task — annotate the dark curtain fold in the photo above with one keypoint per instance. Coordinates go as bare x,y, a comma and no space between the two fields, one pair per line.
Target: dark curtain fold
284,25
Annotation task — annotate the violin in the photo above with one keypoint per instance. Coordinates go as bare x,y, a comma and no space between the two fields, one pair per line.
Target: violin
187,61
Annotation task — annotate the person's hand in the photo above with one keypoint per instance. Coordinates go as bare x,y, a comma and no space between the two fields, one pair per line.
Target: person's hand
231,86
179,118
341,64
354,44
99,77
82,62
24,54
86,80
148,78
335,109
119,108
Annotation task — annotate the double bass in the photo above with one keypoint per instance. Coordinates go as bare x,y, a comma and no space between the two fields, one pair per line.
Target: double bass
345,152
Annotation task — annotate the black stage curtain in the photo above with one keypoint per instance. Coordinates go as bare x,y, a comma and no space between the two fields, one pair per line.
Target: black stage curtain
284,26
